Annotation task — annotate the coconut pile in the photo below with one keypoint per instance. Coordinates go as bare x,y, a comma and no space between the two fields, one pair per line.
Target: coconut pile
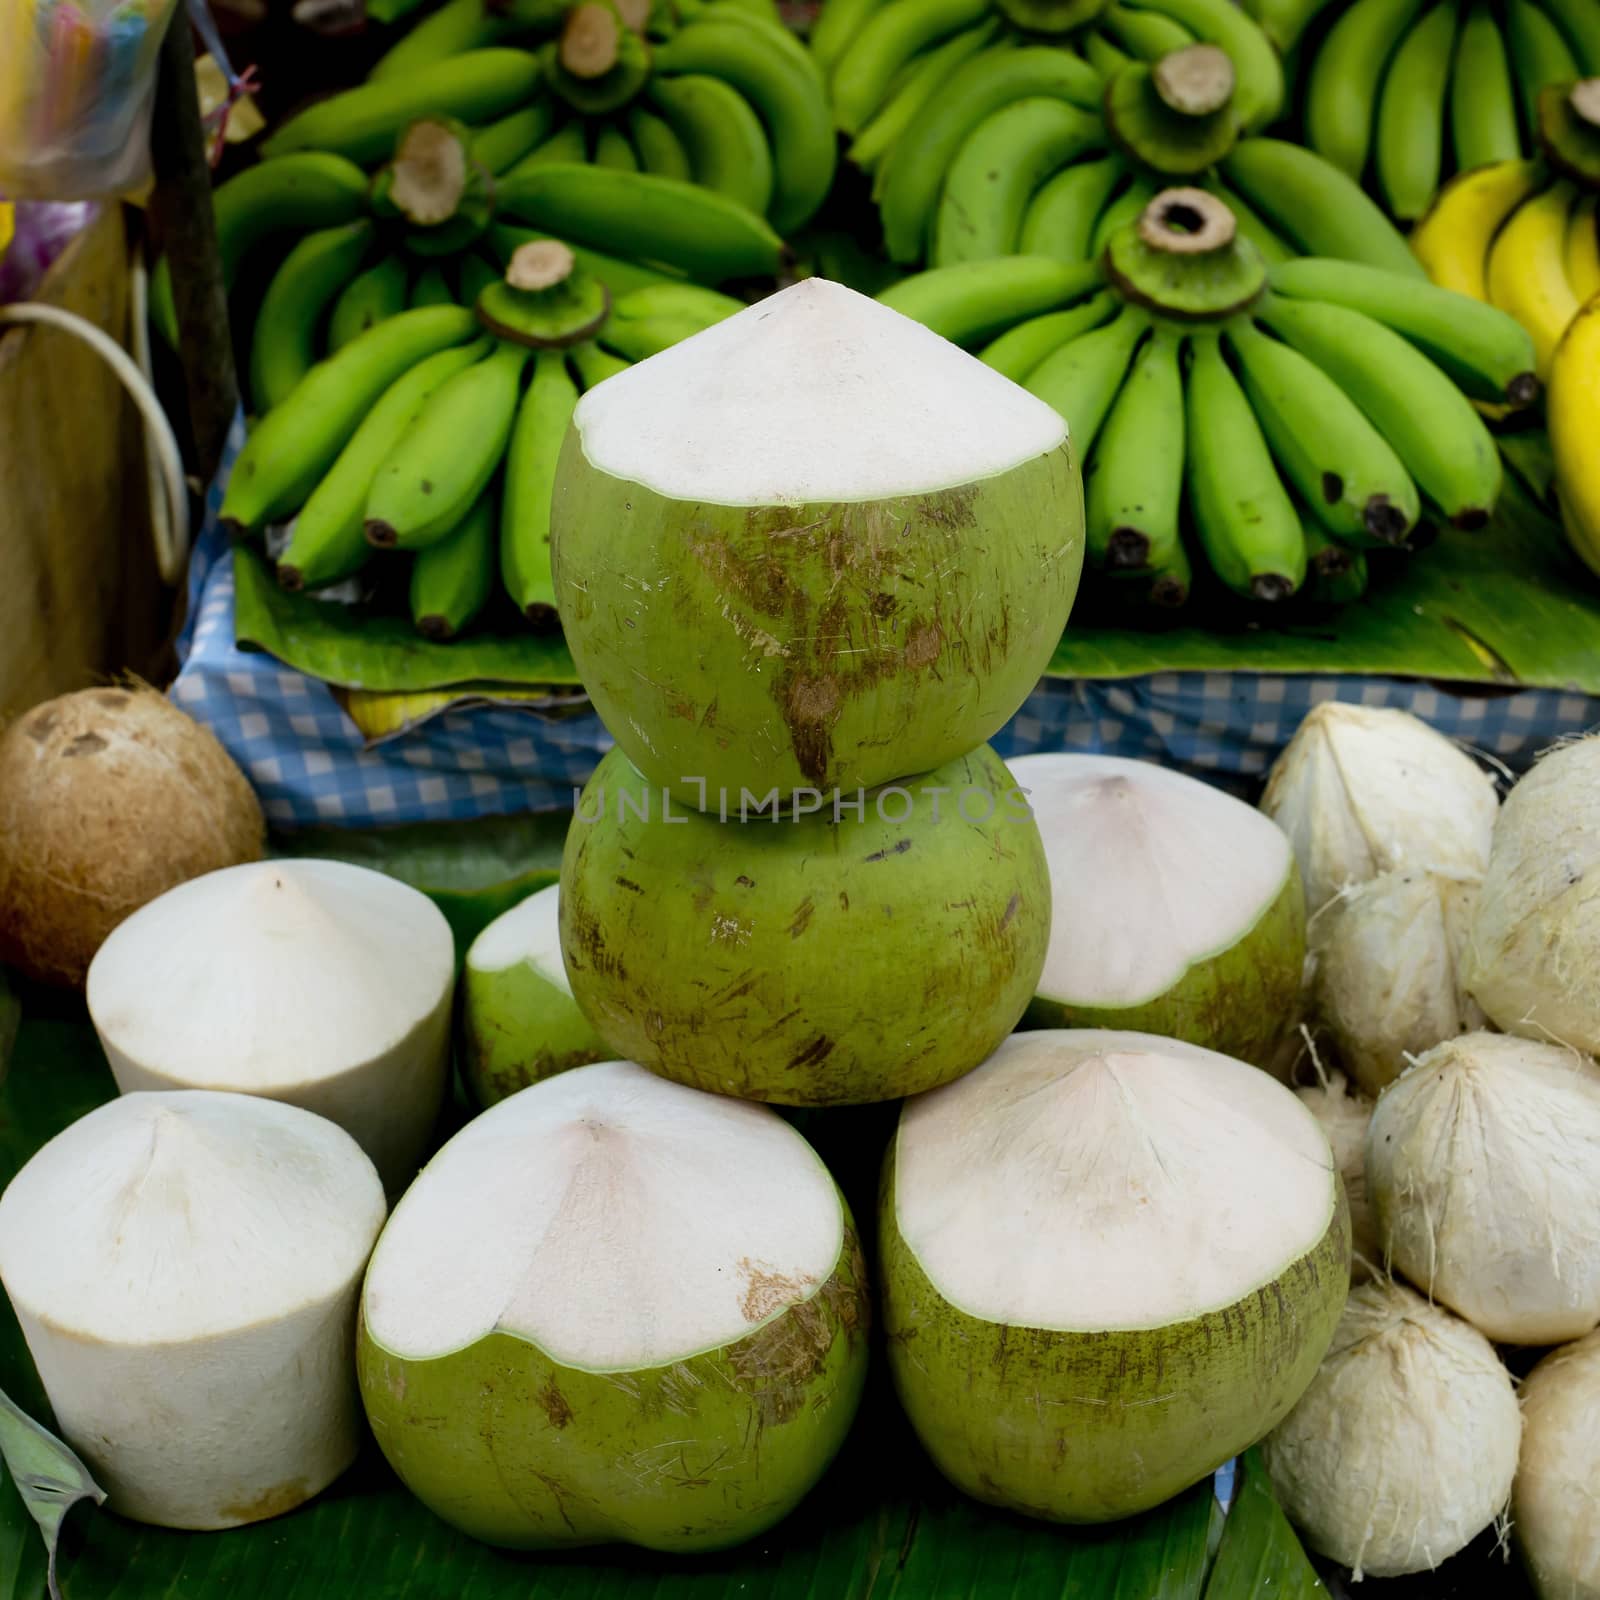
1452,950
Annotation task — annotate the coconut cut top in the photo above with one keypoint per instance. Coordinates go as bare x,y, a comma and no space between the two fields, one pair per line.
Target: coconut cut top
173,1216
530,931
816,393
616,1220
1089,1180
1150,872
270,975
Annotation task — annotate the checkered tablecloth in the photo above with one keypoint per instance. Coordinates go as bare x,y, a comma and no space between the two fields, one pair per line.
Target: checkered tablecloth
311,764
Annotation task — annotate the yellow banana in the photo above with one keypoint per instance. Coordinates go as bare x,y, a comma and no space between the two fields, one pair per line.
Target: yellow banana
1452,241
1528,272
1574,412
1583,247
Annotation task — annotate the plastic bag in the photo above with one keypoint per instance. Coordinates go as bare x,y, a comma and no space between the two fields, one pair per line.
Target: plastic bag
77,82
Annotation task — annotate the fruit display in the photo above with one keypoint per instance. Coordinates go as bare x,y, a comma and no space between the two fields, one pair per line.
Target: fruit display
1277,419
1404,92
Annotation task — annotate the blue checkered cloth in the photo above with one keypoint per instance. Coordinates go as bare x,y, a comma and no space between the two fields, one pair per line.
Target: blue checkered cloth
311,764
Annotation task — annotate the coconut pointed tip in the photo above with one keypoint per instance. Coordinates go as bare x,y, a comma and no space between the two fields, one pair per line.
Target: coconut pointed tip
382,534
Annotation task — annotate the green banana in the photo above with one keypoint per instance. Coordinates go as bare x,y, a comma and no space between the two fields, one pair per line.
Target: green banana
660,150
1483,111
1440,439
639,338
921,81
287,336
1145,35
475,273
1324,443
1319,207
974,91
500,146
726,144
431,288
328,541
295,444
891,39
611,149
362,124
1487,352
1164,588
451,581
1344,80
445,459
997,170
313,190
1019,351
1133,483
569,144
1060,217
618,276
838,25
1124,209
686,300
369,298
1243,516
1103,55
1283,21
456,27
787,96
1336,575
595,365
634,214
1258,73
541,426
769,25
1580,27
1410,142
1250,226
1539,55
1082,378
969,304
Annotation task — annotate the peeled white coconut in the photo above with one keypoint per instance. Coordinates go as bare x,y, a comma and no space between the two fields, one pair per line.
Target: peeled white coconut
184,1267
1110,1261
1483,1165
815,546
1403,1449
1555,1507
1344,1115
1175,909
1362,790
613,1308
314,982
1535,948
1388,982
519,1022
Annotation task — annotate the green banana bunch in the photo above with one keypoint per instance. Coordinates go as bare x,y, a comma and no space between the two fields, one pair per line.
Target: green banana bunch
369,298
541,426
721,136
452,579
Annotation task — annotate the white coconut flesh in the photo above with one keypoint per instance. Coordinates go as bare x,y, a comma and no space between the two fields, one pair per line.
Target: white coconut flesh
814,394
529,933
1151,873
1087,1180
1362,790
613,1219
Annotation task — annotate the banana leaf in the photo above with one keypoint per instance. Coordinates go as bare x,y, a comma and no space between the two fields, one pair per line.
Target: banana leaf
882,1526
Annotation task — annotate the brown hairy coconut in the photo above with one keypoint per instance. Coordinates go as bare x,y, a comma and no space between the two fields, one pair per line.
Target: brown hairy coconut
108,797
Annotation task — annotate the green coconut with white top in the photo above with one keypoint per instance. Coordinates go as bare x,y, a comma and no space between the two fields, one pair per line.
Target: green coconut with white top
810,959
519,1023
814,546
1110,1261
613,1309
1175,909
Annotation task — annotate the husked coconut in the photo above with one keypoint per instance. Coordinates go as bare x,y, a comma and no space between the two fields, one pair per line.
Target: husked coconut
825,958
616,1309
519,1022
1535,946
1388,971
1403,1449
108,797
1483,1163
1110,1261
1555,1506
1344,1114
1362,790
814,546
1175,909
184,1267
314,982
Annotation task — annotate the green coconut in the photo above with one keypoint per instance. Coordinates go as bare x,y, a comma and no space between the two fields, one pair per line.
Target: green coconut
1109,1262
814,546
1175,909
519,1023
615,1310
806,958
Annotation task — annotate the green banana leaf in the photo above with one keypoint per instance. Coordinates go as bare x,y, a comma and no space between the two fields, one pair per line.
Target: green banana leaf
883,1525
